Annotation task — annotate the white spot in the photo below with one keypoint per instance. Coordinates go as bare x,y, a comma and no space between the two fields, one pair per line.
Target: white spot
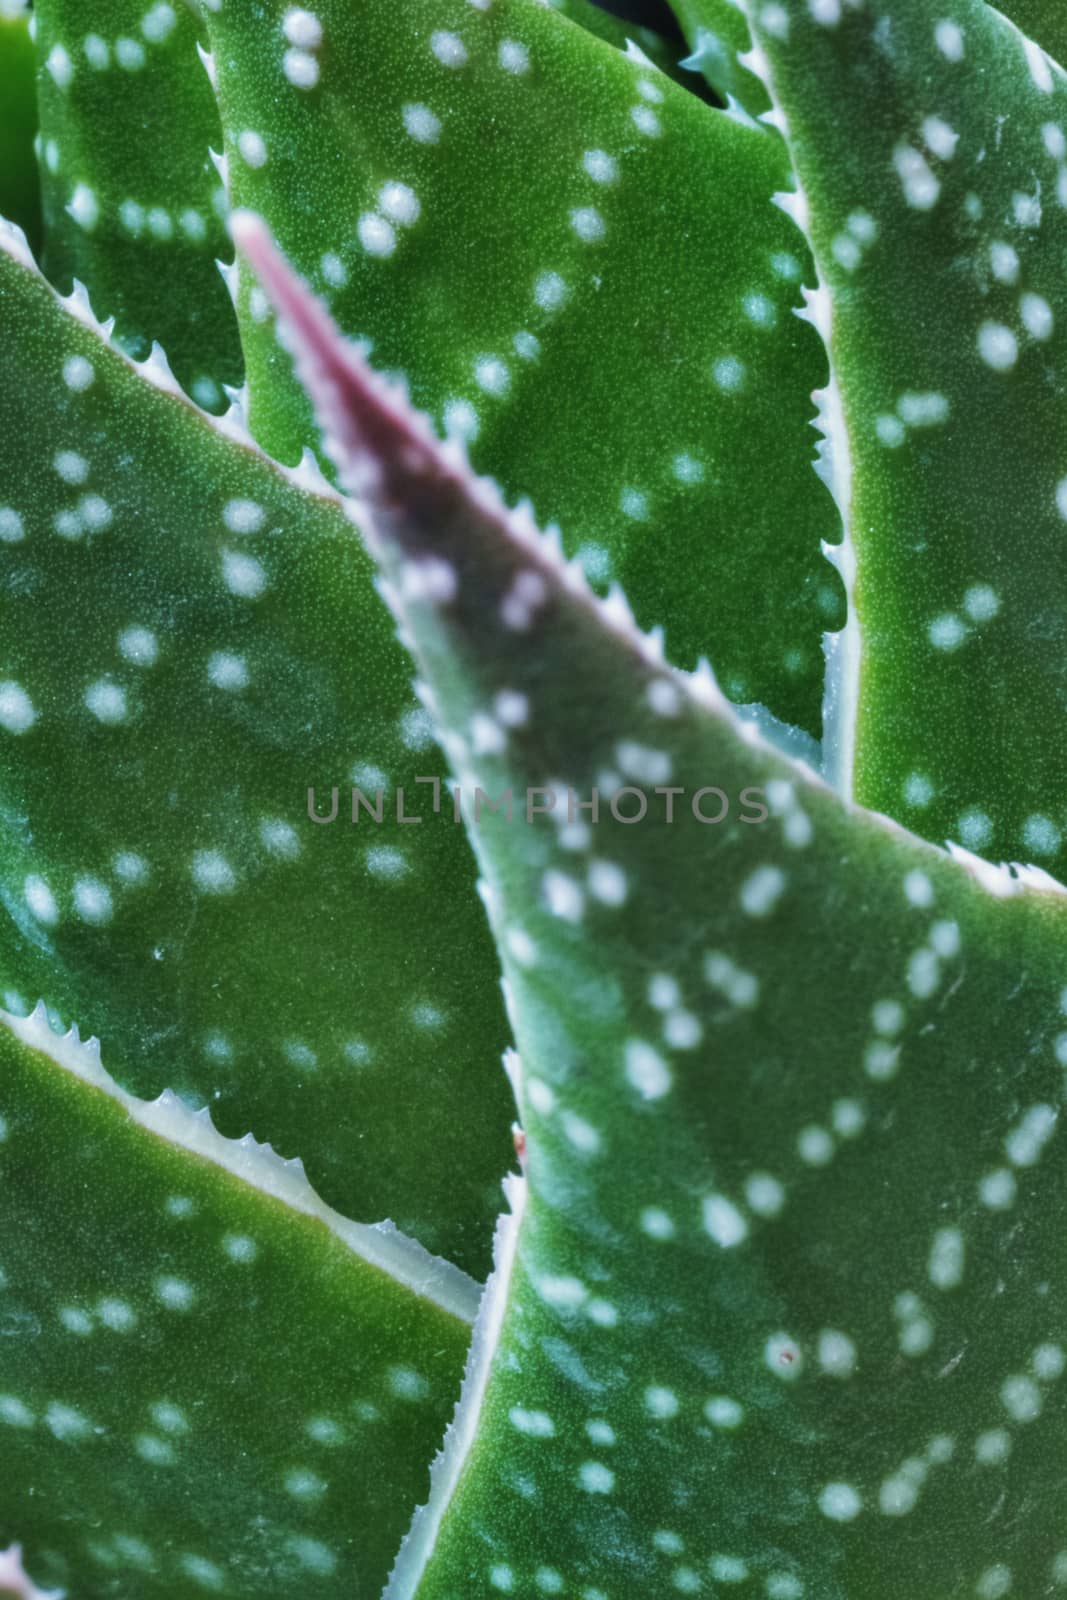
760,310
527,345
922,189
1038,62
661,1403
940,138
601,167
243,575
64,1422
78,373
783,1357
12,527
764,1194
563,896
334,270
981,602
840,1502
607,883
239,1247
301,69
174,1293
581,1134
400,203
448,48
130,54
302,28
975,828
945,1267
60,66
550,291
1036,314
303,1484
1048,1362
728,374
513,57
595,1478
723,1221
646,121
92,901
83,207
212,873
587,223
600,1432
927,409
998,1189
837,1353
376,234
1041,835
16,708
646,1070
491,375
633,503
723,1412
252,147
946,632
97,51
243,516
421,124
948,36
106,701
70,466
227,671
761,891
657,1223
461,420
997,346
815,1146
386,862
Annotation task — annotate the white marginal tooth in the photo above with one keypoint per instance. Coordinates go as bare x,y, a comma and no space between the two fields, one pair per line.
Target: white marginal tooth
231,277
221,164
208,61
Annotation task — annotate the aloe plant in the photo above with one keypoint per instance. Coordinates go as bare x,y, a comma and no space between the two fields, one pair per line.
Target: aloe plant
491,1103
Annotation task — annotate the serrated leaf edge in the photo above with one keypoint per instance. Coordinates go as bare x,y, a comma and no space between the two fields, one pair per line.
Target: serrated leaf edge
380,1245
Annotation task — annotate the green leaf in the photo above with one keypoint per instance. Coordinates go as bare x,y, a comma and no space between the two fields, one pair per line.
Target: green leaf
1042,20
20,195
939,229
133,206
791,1087
622,34
211,1383
575,261
717,31
190,642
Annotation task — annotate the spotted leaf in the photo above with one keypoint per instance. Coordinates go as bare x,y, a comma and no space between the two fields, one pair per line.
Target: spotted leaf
939,227
577,265
133,206
190,644
790,1081
717,31
211,1383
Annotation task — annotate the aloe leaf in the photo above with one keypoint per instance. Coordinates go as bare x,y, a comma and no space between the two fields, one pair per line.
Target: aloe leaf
133,206
577,266
622,34
20,195
719,36
211,1383
1041,20
790,1087
190,643
943,428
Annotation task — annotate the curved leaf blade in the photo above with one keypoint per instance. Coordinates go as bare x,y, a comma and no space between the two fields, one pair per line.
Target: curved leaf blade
577,266
791,1087
132,204
945,428
160,875
211,1384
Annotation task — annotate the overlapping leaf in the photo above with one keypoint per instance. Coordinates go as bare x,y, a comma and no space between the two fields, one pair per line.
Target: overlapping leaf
577,265
210,1384
19,186
189,642
792,1084
934,178
133,206
720,38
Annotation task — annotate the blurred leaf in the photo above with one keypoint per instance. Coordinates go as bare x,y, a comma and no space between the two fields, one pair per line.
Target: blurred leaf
20,193
132,203
210,1383
940,231
578,267
190,642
